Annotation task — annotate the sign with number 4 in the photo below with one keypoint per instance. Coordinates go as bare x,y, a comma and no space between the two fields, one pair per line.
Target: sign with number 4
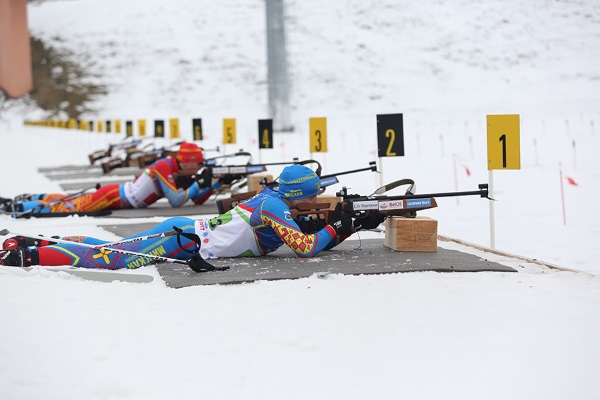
265,133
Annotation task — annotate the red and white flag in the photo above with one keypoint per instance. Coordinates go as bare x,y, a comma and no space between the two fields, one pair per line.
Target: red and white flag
571,181
467,170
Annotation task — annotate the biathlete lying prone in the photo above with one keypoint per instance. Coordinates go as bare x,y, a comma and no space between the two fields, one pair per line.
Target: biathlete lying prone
255,227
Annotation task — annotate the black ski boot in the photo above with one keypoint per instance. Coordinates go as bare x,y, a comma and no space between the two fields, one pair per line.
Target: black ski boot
18,257
6,204
24,197
11,207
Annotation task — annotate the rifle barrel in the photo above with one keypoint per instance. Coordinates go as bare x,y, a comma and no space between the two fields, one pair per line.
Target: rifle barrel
251,165
349,172
483,192
280,163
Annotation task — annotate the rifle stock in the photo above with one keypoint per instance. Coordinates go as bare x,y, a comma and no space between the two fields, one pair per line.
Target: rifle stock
224,205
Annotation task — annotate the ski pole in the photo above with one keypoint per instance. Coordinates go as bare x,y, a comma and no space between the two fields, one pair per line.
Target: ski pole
74,195
28,213
196,263
138,239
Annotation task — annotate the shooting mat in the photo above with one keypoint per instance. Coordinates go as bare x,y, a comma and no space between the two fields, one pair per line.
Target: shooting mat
372,257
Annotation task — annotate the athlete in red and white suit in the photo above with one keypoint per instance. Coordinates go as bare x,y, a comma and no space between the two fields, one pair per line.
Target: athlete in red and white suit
155,182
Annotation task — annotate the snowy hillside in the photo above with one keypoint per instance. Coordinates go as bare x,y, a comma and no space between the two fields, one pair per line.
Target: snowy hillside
351,57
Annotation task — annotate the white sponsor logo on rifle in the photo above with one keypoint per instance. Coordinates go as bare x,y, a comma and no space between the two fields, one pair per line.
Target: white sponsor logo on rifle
365,205
391,205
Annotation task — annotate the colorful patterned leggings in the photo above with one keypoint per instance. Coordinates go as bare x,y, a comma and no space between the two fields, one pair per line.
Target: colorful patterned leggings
81,256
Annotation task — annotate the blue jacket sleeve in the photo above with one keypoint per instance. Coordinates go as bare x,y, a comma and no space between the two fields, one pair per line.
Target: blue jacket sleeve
203,194
177,198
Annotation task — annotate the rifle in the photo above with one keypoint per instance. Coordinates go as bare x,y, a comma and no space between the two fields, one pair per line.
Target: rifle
124,145
136,157
140,157
224,205
326,180
229,173
313,217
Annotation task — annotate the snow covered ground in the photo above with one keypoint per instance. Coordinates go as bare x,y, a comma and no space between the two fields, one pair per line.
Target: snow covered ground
445,66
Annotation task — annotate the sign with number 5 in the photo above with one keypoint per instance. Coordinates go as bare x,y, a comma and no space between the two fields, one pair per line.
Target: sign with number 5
229,133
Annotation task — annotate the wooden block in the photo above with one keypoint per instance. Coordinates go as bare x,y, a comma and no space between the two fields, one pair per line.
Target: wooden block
328,198
254,181
411,234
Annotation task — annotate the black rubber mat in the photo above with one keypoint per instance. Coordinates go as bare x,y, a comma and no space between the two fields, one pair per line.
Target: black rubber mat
371,258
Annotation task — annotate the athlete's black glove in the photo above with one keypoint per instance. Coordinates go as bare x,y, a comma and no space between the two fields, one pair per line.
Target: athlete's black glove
369,221
341,222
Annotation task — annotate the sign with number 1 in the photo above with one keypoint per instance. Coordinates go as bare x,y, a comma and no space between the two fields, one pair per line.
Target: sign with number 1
504,147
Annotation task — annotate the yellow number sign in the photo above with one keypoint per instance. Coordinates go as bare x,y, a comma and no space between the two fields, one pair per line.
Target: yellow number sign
504,147
141,127
174,128
229,136
318,135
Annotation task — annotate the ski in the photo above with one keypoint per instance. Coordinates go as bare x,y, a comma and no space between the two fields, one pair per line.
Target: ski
97,275
99,213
